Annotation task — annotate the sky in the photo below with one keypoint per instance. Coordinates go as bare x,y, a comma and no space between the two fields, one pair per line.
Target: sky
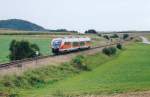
80,15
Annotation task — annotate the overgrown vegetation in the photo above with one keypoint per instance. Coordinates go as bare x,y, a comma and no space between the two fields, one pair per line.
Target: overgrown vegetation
109,51
125,36
38,77
119,46
106,37
50,74
129,72
23,49
114,36
78,62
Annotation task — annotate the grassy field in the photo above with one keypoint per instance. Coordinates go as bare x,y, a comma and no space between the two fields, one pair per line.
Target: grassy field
130,71
48,75
43,41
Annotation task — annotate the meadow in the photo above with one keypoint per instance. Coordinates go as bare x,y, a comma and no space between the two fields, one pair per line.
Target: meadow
128,72
43,41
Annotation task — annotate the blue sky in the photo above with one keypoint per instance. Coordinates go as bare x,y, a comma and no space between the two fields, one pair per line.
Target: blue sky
102,15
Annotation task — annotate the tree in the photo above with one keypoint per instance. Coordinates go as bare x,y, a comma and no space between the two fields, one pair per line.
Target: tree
125,36
22,49
114,36
91,31
106,37
110,51
119,46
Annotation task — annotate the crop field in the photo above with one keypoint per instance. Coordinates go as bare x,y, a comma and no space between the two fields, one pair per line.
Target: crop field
43,41
128,72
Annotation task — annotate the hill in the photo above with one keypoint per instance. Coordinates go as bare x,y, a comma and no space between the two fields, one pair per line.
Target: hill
17,24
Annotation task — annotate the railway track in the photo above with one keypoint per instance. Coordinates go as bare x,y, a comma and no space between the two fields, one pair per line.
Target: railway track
20,63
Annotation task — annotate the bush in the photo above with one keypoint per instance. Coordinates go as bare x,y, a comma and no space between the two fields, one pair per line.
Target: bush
109,51
78,62
13,95
22,49
114,36
99,35
125,36
119,46
91,31
106,37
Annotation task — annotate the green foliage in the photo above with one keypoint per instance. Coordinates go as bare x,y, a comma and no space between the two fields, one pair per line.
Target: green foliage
13,95
129,72
50,74
78,62
91,31
40,76
110,51
114,36
119,46
43,41
125,36
99,35
106,37
22,49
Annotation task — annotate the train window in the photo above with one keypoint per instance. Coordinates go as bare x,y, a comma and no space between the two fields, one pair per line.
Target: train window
88,42
82,43
75,44
56,43
67,43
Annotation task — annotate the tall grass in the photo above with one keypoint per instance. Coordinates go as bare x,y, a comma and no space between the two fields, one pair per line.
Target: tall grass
49,75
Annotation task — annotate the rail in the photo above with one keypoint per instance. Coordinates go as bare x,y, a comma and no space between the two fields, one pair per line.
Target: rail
19,63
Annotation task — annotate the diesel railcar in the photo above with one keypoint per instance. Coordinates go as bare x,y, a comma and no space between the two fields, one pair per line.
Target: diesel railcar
68,44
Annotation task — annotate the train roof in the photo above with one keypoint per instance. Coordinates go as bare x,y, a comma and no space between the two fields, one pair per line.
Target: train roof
73,39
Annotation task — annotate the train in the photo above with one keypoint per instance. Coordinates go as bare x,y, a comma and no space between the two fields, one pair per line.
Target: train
69,44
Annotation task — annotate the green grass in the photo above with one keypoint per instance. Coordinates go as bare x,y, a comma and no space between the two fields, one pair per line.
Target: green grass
43,43
129,72
48,75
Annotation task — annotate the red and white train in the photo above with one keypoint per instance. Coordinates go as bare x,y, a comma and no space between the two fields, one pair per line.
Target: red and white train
68,44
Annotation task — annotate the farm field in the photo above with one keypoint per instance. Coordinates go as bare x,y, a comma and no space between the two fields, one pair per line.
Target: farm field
129,72
43,41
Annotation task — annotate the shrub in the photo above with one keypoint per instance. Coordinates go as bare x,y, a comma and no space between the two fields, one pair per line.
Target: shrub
22,49
109,51
125,36
13,95
114,36
106,37
91,31
78,62
119,46
99,35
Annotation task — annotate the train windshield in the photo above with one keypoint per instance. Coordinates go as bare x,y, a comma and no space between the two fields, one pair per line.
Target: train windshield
56,43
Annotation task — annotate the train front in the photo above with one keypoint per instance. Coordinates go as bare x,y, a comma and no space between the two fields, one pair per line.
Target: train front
55,44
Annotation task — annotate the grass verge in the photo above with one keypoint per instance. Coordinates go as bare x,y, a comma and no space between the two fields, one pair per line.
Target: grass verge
47,76
127,73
